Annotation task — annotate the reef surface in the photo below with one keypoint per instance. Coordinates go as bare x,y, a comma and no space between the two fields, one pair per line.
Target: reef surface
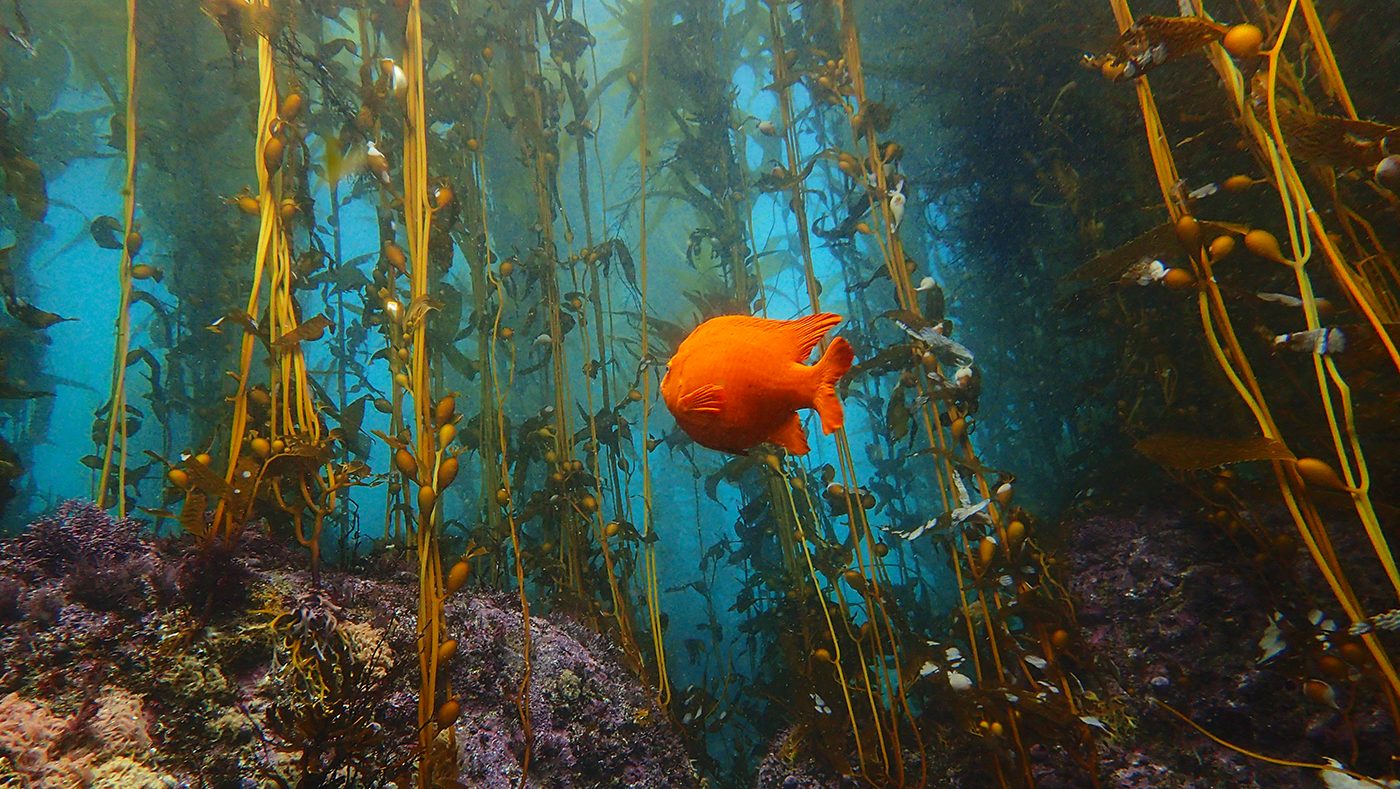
138,662
1169,610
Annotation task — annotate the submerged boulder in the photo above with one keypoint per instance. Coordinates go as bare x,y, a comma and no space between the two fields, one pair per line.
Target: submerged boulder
289,682
592,724
1183,615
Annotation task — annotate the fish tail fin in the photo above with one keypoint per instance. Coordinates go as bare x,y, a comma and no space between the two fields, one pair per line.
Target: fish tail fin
833,364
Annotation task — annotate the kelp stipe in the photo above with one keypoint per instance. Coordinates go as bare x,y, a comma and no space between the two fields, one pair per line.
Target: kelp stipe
131,241
1260,112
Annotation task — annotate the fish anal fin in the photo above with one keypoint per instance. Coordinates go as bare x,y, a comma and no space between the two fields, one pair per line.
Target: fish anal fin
791,436
707,399
833,364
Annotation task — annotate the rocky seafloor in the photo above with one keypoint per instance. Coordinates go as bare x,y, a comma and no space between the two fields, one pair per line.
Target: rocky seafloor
132,662
1172,610
128,661
1177,611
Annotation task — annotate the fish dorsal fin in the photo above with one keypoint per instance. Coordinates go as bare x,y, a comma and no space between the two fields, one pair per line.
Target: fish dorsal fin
791,436
707,399
797,337
807,332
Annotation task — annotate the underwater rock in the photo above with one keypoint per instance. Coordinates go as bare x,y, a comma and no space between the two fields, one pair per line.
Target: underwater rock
100,694
593,724
83,554
101,745
1164,599
789,765
77,532
792,762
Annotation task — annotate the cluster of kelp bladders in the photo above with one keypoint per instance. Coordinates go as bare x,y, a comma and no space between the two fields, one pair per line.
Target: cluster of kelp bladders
1316,177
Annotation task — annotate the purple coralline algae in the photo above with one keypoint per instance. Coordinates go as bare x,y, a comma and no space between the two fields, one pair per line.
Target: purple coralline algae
1168,602
113,675
592,724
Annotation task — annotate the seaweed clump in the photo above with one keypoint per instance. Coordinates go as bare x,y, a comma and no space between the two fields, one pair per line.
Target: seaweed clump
306,686
336,694
98,561
104,743
1151,603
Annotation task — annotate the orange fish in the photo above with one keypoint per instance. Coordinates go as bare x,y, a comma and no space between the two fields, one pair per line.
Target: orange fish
738,381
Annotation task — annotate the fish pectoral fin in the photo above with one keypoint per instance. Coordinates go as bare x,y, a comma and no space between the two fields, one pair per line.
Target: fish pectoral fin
707,399
791,436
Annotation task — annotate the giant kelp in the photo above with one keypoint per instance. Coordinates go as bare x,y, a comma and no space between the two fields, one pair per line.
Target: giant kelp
468,236
1302,155
540,523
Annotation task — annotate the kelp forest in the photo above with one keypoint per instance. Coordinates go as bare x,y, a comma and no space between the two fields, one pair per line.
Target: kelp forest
373,481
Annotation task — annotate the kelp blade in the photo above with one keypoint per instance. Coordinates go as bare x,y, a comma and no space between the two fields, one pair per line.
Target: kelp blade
1193,453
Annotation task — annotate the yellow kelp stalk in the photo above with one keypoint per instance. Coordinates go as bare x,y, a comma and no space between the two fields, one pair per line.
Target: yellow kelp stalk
525,69
494,441
885,692
479,258
116,403
1305,228
504,501
503,495
434,427
294,439
879,687
780,67
956,445
392,260
605,469
845,78
653,590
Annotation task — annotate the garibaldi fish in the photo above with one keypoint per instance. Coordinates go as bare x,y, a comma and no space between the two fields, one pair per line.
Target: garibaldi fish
738,381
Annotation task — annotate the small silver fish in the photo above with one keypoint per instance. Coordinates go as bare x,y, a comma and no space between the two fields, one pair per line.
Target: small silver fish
945,348
1320,341
1388,620
940,386
966,513
943,388
1280,298
1154,56
1145,272
974,513
377,162
897,201
1285,300
1203,191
